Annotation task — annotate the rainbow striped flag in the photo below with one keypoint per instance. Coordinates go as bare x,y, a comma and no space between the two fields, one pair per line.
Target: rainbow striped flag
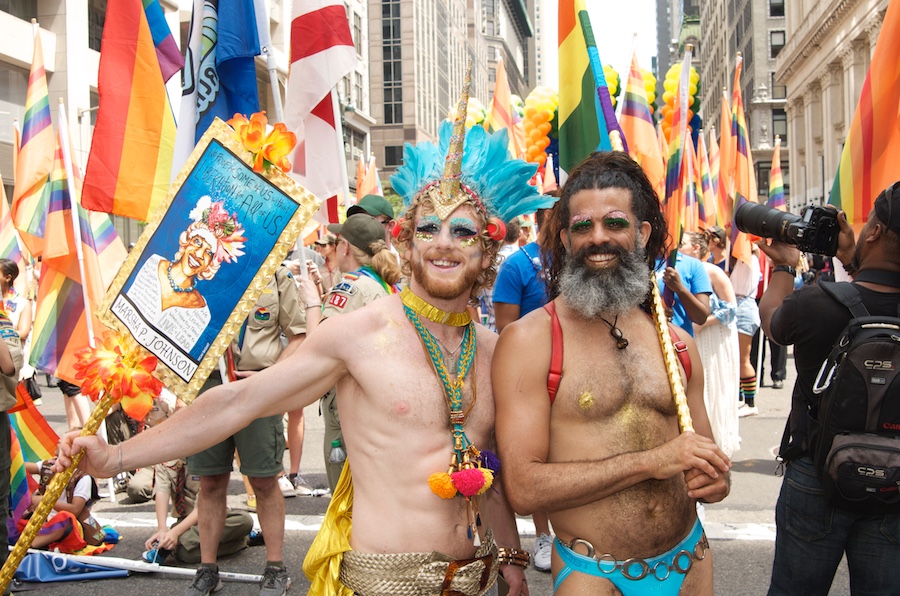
637,125
586,116
61,326
726,161
21,485
9,241
35,156
707,192
776,180
503,115
37,438
869,159
130,162
679,172
743,182
715,163
167,52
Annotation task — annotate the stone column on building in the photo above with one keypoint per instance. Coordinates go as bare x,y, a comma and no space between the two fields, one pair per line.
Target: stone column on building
873,28
796,149
830,78
812,105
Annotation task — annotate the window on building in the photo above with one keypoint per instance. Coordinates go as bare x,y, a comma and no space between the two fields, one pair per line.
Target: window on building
776,8
357,34
779,125
393,156
358,99
763,170
23,9
492,75
96,16
393,65
779,91
776,42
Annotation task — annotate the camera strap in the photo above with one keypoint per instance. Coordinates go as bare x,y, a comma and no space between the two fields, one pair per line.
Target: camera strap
879,276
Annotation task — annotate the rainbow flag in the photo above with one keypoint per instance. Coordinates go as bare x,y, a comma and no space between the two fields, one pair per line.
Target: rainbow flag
663,144
130,162
679,172
35,156
167,52
726,161
776,180
715,162
9,241
61,325
37,438
369,183
21,485
636,121
705,185
503,115
869,159
586,115
693,204
743,182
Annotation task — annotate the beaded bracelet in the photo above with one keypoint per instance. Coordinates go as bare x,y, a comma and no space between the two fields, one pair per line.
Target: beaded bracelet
513,556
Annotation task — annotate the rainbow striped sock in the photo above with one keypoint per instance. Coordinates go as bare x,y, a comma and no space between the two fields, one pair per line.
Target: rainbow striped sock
748,390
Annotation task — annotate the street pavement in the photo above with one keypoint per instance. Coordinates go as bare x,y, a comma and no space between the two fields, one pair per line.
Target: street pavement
741,529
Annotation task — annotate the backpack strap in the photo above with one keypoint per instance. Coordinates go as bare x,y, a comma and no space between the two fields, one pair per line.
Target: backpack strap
847,294
554,375
681,351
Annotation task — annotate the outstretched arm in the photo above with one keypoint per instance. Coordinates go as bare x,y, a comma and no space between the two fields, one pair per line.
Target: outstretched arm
523,435
292,383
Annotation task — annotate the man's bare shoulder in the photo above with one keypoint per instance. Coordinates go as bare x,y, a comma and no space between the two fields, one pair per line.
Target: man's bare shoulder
526,333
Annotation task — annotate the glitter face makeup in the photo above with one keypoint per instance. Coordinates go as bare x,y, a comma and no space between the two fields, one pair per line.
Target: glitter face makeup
428,227
614,220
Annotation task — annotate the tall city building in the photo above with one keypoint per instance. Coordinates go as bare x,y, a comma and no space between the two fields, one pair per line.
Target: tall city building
823,65
418,55
756,29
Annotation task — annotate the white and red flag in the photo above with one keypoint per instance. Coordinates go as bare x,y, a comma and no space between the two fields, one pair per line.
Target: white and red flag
322,52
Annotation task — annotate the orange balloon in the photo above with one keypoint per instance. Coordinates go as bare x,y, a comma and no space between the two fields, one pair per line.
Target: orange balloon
530,112
534,136
528,125
544,143
541,158
545,127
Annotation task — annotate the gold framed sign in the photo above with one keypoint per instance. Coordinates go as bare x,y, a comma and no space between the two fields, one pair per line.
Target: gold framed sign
205,257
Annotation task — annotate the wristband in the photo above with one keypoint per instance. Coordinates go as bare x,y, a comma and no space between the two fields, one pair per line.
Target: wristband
121,469
314,305
786,268
513,556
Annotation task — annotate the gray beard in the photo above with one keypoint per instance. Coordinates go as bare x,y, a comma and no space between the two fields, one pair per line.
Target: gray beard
593,292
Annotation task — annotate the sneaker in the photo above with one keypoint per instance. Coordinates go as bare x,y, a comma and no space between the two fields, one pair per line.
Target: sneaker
251,503
256,538
287,488
205,582
746,410
301,486
777,384
155,555
274,582
543,546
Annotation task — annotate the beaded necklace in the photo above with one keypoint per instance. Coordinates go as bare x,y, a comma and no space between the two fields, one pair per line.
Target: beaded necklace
176,287
471,472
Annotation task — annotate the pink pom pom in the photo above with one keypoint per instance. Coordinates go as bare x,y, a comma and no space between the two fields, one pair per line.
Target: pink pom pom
442,485
488,480
468,482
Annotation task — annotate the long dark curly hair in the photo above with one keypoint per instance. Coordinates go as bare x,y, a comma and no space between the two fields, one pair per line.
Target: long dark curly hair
612,169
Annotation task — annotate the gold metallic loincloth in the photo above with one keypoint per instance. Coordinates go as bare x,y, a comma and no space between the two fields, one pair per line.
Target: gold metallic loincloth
421,574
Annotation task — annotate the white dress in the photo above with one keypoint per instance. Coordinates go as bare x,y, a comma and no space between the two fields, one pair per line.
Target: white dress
183,326
718,347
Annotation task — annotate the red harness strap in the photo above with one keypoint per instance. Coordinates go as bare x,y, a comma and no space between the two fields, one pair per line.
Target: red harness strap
554,375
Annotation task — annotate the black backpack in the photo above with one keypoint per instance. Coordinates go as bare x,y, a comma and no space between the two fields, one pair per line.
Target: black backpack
854,429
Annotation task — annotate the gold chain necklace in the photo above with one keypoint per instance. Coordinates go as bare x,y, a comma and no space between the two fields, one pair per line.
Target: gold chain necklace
433,313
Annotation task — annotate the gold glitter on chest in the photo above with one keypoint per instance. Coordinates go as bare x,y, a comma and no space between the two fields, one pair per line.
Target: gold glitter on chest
586,400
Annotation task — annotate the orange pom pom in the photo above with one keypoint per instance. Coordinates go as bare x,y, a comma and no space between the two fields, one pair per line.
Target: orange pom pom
442,485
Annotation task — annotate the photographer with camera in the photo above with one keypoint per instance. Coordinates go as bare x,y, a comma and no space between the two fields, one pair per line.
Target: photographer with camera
812,533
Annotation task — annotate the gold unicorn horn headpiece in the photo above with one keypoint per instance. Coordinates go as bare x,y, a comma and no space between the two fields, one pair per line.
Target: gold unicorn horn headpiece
450,196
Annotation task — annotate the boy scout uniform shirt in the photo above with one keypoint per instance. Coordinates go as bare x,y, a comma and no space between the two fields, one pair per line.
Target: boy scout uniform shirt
8,383
353,292
258,344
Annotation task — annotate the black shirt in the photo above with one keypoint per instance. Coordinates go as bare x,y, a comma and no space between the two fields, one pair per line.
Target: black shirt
813,321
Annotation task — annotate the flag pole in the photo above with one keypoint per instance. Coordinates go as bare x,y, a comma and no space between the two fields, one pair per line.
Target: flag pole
265,47
63,127
339,131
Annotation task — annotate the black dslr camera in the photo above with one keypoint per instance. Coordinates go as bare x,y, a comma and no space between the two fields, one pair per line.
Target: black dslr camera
815,230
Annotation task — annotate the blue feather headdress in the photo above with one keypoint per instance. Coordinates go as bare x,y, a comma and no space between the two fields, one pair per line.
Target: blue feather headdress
474,167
